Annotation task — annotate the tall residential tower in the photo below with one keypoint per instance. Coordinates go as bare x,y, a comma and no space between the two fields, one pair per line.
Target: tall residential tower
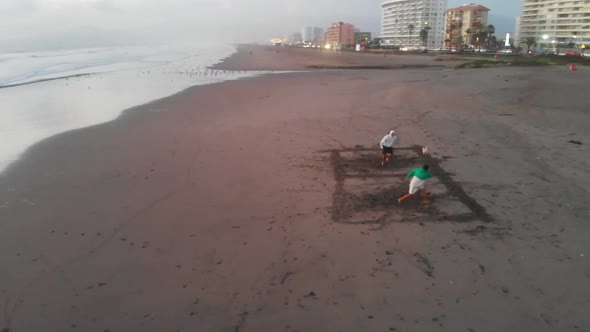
398,16
464,24
312,34
556,21
340,34
517,38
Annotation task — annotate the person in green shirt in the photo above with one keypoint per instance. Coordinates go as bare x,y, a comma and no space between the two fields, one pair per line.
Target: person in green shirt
417,178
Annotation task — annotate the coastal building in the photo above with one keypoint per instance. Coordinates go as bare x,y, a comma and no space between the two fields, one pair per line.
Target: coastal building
362,37
312,35
279,41
307,34
340,34
295,38
399,15
555,21
317,35
463,24
517,32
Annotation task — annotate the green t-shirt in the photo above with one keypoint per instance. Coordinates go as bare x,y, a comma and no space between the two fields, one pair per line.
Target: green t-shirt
420,173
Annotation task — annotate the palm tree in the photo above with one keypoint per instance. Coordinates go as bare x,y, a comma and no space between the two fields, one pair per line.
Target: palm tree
469,32
482,35
375,43
424,37
530,42
411,29
491,29
493,42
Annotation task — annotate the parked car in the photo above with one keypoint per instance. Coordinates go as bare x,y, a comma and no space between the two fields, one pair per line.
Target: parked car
541,52
445,51
572,53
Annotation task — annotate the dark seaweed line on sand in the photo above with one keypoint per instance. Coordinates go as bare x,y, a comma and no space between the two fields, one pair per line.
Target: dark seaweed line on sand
70,76
45,80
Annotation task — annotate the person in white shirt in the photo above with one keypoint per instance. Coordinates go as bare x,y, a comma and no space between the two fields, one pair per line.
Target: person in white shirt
387,147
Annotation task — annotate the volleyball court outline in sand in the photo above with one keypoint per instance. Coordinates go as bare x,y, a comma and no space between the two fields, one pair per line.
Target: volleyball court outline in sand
367,193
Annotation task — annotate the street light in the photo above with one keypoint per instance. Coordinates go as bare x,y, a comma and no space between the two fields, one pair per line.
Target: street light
545,37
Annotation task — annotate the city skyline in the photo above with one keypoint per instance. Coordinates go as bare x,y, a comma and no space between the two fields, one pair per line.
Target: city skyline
78,23
503,15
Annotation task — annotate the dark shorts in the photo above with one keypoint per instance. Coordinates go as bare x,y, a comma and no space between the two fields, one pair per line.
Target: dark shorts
387,150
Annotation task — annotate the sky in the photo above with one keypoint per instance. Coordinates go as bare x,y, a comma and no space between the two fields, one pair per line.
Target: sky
85,23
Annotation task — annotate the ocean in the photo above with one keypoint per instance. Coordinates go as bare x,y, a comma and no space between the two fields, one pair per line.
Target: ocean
46,93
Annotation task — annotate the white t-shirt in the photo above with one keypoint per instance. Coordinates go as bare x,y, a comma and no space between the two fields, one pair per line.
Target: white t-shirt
388,140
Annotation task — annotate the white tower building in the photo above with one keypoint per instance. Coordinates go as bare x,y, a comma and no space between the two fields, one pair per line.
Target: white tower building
398,15
555,21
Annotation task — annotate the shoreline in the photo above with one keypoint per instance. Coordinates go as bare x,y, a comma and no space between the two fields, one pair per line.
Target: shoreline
144,107
82,100
221,206
221,65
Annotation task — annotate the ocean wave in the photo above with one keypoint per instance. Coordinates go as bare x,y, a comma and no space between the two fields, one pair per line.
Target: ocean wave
21,68
74,90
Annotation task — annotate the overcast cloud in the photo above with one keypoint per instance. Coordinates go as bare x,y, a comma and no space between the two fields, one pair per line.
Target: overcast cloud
122,21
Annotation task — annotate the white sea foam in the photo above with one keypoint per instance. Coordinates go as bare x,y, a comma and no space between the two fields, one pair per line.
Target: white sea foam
119,78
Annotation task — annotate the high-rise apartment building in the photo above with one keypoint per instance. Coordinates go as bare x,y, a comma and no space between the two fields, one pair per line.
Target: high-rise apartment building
307,34
556,21
463,24
312,34
398,15
295,38
317,35
517,32
340,34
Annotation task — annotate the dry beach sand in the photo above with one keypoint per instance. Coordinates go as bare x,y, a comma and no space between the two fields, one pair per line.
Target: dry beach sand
259,205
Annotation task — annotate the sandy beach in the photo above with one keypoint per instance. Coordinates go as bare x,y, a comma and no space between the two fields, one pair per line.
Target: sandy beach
259,205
